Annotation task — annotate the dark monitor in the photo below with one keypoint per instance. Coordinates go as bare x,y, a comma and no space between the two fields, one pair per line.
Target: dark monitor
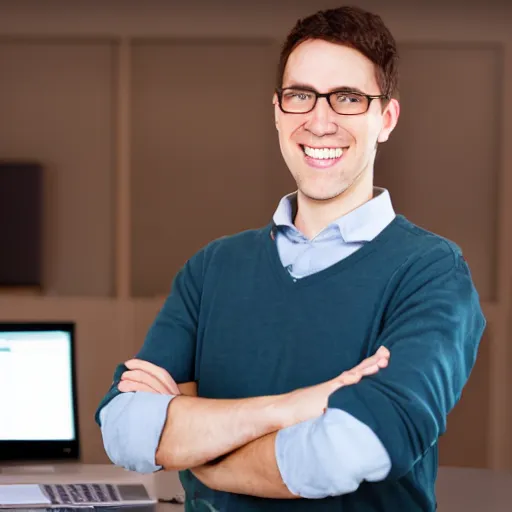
21,225
38,403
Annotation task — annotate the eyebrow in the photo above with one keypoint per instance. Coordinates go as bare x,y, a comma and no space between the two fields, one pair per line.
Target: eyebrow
306,87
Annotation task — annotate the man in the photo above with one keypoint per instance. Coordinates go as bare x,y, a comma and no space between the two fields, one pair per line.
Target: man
259,324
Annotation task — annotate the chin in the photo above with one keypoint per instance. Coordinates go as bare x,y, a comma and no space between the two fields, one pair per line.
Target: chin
321,195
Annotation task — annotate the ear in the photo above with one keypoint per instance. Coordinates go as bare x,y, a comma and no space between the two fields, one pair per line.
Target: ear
390,119
276,110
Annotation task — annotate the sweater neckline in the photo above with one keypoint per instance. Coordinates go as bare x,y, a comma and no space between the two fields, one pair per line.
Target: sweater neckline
284,277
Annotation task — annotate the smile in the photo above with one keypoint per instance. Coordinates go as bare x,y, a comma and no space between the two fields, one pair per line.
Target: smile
322,158
322,153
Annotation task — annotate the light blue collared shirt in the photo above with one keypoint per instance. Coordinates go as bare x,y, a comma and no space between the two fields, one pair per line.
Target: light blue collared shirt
338,240
327,456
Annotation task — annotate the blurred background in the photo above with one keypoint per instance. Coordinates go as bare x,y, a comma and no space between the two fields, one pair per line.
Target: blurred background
144,129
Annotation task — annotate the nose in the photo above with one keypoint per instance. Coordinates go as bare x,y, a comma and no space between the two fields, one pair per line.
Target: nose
320,120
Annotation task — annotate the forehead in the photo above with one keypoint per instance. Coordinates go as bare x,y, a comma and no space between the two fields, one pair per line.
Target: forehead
326,66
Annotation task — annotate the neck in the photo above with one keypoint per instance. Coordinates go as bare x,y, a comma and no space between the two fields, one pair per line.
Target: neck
313,215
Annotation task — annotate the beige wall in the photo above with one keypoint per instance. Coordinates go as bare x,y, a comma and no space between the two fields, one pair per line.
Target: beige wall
56,102
103,267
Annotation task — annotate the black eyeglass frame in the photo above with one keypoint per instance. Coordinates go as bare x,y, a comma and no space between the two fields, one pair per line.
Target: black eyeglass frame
327,96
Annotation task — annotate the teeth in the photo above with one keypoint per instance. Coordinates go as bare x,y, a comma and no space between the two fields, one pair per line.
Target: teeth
324,153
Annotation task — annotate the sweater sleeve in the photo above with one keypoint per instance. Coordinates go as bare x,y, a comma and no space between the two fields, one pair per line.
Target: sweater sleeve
171,339
432,325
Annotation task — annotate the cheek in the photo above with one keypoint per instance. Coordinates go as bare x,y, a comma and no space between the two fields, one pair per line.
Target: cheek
286,146
287,132
374,129
365,135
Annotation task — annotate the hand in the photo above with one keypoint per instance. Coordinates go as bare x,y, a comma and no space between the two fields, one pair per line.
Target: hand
145,376
308,403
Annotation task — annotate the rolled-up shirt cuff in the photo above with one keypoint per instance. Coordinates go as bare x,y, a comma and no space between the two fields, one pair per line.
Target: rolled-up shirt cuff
131,426
330,455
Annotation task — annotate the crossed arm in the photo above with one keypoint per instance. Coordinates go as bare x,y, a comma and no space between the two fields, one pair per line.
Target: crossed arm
244,431
252,469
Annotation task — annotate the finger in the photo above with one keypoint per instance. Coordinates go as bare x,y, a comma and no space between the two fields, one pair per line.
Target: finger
347,378
370,370
156,371
374,368
355,375
137,377
367,363
382,363
127,386
380,357
350,377
370,366
383,352
162,375
141,377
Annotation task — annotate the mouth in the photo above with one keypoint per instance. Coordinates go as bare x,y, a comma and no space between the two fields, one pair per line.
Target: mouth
322,157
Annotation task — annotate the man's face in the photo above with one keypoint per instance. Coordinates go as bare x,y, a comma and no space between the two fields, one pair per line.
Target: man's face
325,67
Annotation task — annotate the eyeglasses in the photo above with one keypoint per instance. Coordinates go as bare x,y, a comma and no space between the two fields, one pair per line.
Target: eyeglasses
302,101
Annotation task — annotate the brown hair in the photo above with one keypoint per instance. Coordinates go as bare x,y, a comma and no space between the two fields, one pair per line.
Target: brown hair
355,28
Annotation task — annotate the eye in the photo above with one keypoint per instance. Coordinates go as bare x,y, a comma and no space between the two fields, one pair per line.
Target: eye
344,97
297,96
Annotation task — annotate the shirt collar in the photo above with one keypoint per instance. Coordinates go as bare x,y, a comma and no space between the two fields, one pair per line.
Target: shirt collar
360,225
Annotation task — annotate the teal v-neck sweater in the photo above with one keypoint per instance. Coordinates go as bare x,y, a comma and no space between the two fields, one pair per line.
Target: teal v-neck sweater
240,325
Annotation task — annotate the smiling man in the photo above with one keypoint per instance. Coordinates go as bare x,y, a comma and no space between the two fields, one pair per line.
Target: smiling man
236,384
340,115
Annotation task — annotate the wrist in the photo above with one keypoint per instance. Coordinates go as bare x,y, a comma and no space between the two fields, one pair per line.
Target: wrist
264,414
277,412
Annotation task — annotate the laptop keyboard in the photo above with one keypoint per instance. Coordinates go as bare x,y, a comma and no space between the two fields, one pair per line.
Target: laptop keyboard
81,494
